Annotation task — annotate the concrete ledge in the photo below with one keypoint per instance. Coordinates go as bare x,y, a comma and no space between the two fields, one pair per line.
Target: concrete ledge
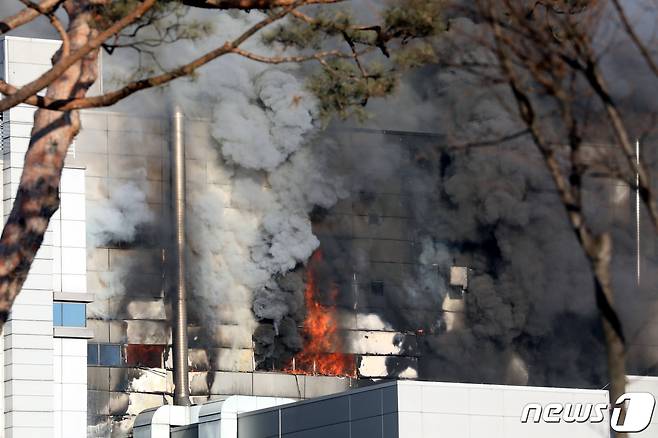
73,297
73,332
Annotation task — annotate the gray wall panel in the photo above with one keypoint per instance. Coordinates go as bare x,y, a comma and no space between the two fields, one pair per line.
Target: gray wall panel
364,413
390,399
365,404
186,432
390,426
367,428
263,425
318,386
332,431
278,385
314,415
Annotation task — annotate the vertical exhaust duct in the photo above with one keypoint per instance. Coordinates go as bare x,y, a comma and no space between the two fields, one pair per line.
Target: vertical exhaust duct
179,301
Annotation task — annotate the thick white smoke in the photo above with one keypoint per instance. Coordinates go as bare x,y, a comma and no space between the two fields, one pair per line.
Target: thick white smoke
117,218
249,218
252,186
258,127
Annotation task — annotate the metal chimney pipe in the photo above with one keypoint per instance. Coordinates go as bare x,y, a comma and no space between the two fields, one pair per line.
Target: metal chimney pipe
179,302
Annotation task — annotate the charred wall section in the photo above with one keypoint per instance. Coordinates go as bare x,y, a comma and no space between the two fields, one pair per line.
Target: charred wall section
414,208
419,206
128,194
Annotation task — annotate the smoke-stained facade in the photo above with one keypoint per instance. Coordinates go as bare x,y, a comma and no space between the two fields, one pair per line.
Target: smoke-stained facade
388,213
363,226
413,209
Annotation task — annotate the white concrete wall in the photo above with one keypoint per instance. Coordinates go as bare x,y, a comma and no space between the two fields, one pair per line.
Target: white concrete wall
69,235
449,410
28,335
45,379
70,276
70,388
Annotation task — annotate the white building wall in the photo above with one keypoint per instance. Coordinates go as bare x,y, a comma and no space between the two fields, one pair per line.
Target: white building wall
434,410
45,379
69,281
69,235
28,334
70,388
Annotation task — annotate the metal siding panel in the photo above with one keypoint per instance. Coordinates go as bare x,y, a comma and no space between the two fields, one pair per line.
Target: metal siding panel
191,431
341,430
278,385
367,428
98,378
263,425
315,415
390,399
98,403
317,386
365,404
390,425
232,383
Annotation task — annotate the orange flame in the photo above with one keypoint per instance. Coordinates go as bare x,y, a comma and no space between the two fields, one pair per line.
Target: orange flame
321,353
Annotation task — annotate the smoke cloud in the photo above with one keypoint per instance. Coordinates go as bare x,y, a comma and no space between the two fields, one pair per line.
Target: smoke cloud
118,218
274,187
262,172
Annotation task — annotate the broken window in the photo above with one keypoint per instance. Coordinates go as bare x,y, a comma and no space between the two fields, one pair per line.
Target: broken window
138,355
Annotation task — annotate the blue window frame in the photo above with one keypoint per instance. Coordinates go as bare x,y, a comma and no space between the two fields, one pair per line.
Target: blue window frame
69,314
110,355
92,354
107,355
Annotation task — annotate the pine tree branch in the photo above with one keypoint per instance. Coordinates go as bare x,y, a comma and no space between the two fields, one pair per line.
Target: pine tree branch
249,4
28,14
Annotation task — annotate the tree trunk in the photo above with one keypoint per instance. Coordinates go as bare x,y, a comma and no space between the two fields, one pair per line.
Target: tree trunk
37,198
600,253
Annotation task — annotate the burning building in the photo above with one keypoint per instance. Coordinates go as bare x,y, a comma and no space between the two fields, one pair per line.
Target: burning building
315,262
379,298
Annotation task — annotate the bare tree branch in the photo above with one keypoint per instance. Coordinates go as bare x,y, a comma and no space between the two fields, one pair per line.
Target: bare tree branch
249,4
32,88
56,23
541,63
598,84
154,81
287,59
633,36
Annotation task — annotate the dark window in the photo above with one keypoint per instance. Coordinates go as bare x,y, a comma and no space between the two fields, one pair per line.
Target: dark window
69,314
377,287
92,354
110,355
144,355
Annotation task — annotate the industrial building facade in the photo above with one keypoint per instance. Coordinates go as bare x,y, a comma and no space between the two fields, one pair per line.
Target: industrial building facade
88,344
